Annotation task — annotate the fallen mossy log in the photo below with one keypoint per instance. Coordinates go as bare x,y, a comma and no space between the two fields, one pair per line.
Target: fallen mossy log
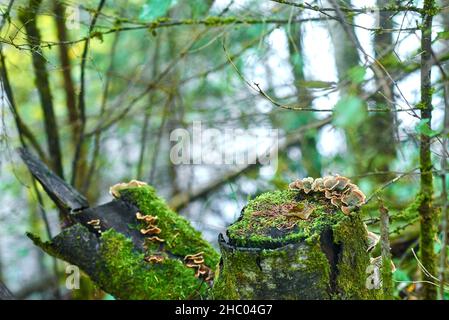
285,245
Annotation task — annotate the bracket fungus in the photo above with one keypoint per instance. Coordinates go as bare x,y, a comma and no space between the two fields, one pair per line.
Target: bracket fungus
155,238
95,223
154,259
338,189
147,218
288,241
372,239
196,261
151,230
342,194
115,189
118,260
150,227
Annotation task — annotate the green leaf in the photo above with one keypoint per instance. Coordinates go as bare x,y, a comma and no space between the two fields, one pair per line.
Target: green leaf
154,9
423,128
357,74
443,35
349,112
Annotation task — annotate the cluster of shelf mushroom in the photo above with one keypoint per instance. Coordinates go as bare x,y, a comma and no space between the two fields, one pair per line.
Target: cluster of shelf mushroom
196,261
338,189
341,192
95,223
151,230
115,189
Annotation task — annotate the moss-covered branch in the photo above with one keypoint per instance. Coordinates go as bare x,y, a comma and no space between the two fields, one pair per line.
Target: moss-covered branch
130,264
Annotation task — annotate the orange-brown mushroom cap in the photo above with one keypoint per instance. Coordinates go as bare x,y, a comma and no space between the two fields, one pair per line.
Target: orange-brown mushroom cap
155,238
150,230
154,259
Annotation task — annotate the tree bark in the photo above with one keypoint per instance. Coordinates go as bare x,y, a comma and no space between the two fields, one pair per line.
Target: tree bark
426,211
383,143
66,70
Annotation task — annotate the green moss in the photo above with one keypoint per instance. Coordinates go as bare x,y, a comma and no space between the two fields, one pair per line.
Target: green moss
125,273
46,246
431,9
266,222
285,273
353,261
412,210
180,237
387,278
218,21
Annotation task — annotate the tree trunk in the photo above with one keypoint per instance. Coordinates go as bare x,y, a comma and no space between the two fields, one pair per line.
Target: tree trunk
66,69
28,18
311,158
383,143
379,148
426,211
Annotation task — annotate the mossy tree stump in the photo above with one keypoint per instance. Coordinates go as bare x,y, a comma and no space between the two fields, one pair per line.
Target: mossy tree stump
272,252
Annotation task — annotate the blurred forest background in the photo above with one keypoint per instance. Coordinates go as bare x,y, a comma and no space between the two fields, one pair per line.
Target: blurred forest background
95,87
